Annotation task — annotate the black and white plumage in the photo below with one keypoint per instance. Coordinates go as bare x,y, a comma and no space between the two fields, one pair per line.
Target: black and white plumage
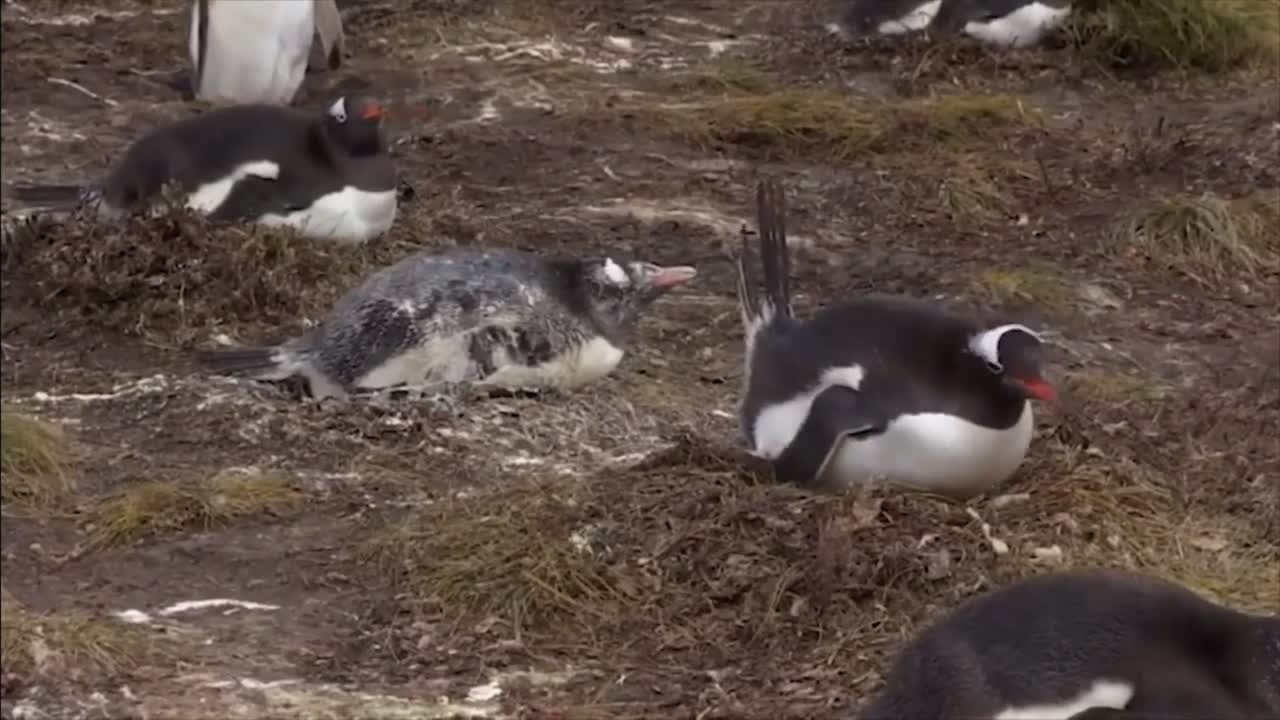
1009,23
497,318
1087,645
258,51
326,174
880,387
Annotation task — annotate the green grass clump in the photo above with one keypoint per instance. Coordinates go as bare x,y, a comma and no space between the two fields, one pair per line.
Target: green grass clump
159,507
1211,35
66,642
34,460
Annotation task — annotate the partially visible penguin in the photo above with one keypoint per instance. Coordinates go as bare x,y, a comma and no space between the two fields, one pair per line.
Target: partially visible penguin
326,174
330,43
258,51
494,318
1087,644
1010,23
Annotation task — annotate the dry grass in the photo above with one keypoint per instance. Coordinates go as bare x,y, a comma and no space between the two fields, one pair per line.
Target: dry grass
1211,35
1038,288
175,276
754,113
975,187
1116,388
157,507
1208,238
34,457
67,644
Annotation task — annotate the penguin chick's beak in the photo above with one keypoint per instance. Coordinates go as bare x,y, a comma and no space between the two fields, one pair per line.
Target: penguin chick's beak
1035,387
667,278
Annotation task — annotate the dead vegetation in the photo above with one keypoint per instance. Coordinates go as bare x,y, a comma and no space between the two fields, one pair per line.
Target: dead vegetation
1207,238
1210,35
156,507
34,463
67,644
1116,388
175,276
1024,285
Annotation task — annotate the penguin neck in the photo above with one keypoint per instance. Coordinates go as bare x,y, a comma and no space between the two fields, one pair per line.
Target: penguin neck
573,289
327,143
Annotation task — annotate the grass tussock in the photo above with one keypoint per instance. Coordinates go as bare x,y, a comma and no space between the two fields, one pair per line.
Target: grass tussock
67,644
174,276
1211,35
158,507
1116,388
34,460
519,556
1038,288
819,120
1208,238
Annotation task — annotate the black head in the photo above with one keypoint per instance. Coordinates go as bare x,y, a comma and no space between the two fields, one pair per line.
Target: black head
1015,356
354,123
617,292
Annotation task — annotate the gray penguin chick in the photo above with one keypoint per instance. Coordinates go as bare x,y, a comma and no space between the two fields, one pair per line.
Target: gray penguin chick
496,318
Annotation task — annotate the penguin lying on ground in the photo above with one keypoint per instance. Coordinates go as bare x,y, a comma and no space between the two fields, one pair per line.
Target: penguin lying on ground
326,174
258,51
880,387
497,318
1088,645
1010,23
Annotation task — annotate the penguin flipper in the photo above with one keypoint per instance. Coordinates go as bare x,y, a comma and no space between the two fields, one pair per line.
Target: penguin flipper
261,363
839,412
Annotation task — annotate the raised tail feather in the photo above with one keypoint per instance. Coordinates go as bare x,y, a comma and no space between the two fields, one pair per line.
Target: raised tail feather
775,259
51,197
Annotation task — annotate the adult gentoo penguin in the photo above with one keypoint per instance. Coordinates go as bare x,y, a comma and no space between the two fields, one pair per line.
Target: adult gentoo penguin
880,387
498,318
258,51
887,17
327,174
1011,23
1091,644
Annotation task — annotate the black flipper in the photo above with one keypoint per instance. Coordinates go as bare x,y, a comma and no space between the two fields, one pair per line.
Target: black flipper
771,217
250,198
837,413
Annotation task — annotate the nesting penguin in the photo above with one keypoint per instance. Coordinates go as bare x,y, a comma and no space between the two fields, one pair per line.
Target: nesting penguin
879,388
326,174
258,51
1009,23
492,318
1095,644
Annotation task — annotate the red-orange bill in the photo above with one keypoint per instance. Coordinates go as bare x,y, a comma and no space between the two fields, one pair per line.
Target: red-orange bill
672,276
1039,389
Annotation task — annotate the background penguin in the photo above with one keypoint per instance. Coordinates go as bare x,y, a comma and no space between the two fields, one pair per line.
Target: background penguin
1011,23
498,318
258,51
330,43
1127,645
326,174
880,387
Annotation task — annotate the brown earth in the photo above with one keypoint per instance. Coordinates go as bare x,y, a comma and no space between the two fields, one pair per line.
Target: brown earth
608,554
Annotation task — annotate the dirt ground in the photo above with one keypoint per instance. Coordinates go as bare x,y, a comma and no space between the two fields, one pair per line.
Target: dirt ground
609,553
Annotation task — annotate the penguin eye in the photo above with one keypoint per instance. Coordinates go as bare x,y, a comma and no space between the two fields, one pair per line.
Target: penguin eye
995,367
340,116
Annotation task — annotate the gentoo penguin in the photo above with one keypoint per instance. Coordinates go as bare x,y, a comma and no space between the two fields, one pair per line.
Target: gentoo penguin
1010,23
1089,644
326,174
257,51
329,43
880,388
887,17
499,318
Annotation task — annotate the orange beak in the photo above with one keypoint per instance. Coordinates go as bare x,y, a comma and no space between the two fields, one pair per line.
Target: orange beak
373,112
1038,389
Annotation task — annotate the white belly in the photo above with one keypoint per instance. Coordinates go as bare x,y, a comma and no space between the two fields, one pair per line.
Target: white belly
347,216
257,50
917,19
1111,694
448,361
1021,28
933,452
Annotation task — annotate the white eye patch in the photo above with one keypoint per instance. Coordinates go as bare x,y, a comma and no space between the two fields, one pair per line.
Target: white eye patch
615,274
339,109
986,345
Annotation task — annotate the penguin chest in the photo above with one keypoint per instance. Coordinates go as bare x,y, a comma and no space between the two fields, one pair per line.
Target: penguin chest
256,52
350,215
569,367
1021,28
917,19
935,452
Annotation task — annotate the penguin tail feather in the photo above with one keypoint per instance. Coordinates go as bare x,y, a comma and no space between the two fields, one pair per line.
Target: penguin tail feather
269,363
50,197
775,258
